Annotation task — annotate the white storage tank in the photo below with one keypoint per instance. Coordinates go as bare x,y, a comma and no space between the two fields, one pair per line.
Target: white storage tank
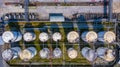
73,37
106,36
57,36
57,53
101,51
89,36
29,36
72,53
43,37
11,36
84,51
28,53
10,54
106,54
110,55
89,54
44,53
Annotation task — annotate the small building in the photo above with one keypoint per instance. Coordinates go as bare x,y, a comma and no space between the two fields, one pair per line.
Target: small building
54,17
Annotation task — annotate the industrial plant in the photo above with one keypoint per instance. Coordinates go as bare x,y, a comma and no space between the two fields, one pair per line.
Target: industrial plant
60,33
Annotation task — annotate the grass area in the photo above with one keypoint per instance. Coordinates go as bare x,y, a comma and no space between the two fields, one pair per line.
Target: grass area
63,28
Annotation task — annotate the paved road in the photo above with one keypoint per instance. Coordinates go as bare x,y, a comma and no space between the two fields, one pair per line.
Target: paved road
70,0
67,10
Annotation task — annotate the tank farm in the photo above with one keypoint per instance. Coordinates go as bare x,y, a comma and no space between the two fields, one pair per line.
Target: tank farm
60,43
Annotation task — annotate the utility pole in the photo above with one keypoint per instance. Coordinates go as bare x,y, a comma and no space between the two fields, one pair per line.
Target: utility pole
26,4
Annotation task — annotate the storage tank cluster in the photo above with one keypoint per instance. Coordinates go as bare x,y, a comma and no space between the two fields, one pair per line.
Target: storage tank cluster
104,53
90,54
72,36
28,53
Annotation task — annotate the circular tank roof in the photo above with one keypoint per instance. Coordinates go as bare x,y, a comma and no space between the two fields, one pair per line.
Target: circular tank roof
84,50
110,55
7,54
25,55
101,51
57,36
91,36
91,55
44,53
73,37
109,36
72,53
43,37
7,36
28,36
57,52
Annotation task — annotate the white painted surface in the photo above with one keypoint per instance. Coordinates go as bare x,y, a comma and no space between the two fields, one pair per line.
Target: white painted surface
89,36
28,54
72,53
106,36
57,36
44,53
11,36
28,36
73,37
43,37
57,53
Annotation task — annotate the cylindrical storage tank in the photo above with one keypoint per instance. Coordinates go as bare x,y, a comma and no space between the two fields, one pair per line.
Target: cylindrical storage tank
72,53
106,36
16,51
89,54
109,55
28,54
57,53
84,51
89,36
57,36
73,37
43,37
11,36
10,54
29,36
101,51
44,53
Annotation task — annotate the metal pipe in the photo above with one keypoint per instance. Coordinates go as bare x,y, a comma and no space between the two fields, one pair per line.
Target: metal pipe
110,10
26,4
